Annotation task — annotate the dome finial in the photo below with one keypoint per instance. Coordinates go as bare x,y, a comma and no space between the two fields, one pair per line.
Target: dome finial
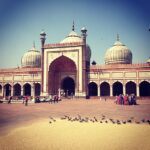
118,38
73,26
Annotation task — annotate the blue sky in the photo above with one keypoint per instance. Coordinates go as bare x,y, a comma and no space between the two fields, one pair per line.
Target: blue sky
21,22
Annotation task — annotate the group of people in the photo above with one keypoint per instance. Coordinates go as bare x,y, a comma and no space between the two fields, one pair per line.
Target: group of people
50,99
126,99
25,100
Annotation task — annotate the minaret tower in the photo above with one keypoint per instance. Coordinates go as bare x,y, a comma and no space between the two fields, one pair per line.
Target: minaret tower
42,38
73,28
84,63
118,38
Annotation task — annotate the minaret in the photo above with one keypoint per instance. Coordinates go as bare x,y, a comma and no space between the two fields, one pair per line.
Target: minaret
43,38
118,38
84,63
73,28
84,35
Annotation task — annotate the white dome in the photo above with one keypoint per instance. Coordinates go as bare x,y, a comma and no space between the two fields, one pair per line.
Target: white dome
71,38
32,58
118,54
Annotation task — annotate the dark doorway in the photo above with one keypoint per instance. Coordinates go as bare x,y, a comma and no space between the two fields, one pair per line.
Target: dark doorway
92,89
37,89
0,89
144,88
17,90
105,89
117,88
27,89
68,86
7,89
131,88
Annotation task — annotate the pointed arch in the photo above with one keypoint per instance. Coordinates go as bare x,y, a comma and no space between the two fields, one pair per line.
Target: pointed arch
144,88
17,89
105,89
130,87
117,88
27,89
60,67
7,89
92,88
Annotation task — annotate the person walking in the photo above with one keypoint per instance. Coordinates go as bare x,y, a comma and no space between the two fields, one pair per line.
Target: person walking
26,101
9,100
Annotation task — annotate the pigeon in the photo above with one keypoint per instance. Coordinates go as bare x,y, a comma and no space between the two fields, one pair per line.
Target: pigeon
95,119
129,121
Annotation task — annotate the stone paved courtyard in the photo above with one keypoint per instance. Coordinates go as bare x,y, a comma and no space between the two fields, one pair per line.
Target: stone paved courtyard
16,114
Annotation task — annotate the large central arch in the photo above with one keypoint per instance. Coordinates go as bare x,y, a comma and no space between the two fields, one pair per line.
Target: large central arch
59,69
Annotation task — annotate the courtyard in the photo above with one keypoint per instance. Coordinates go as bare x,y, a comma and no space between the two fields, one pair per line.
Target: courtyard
29,124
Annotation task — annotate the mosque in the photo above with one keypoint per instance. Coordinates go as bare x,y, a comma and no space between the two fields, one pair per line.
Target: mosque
66,67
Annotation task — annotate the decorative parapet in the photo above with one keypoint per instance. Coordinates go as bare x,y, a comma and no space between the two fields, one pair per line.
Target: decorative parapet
99,68
19,70
58,45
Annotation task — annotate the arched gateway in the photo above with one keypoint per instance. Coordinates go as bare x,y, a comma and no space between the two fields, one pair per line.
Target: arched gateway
65,62
62,75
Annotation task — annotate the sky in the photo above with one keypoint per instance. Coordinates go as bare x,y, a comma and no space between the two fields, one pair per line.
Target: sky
21,22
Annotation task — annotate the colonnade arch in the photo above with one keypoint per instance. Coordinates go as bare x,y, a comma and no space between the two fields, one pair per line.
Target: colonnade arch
130,88
104,89
117,88
17,90
7,89
27,89
92,88
144,88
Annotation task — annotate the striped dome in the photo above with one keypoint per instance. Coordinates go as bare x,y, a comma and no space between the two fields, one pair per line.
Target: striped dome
118,54
32,58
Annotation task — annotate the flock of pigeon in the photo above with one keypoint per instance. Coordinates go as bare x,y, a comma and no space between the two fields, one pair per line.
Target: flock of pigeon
102,119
